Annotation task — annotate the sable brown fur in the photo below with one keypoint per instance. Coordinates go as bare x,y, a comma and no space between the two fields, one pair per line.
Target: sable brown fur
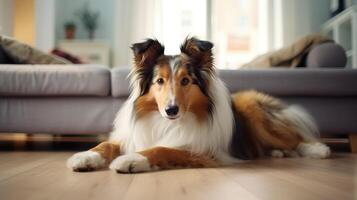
261,114
199,52
169,158
108,150
146,53
145,104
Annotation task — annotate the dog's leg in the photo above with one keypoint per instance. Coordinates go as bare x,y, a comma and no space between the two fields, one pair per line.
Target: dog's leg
160,158
95,158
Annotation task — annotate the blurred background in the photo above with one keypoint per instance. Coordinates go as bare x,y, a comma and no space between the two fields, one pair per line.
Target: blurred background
101,31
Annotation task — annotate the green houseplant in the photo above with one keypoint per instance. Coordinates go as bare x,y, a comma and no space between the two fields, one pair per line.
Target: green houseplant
89,20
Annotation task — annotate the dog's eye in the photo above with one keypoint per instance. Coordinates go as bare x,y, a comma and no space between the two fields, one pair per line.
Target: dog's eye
160,81
185,81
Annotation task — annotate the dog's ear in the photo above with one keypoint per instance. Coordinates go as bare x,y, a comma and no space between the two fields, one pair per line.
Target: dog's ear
147,52
199,51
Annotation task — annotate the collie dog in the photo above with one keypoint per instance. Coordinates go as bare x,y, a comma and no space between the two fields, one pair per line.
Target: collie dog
180,114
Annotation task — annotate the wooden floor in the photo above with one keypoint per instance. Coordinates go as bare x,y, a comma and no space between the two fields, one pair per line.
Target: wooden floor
43,175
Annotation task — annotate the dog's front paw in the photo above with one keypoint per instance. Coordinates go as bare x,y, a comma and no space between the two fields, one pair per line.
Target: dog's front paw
85,161
131,163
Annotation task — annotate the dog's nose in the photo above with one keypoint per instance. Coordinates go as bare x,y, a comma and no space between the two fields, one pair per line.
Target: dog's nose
172,110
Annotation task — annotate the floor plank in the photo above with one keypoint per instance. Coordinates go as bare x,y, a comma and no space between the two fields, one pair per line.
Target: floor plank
43,175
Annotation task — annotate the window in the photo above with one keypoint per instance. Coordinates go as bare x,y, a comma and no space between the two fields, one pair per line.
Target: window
234,27
240,29
180,18
235,32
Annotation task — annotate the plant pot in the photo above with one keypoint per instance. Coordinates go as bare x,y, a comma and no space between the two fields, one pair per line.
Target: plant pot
70,33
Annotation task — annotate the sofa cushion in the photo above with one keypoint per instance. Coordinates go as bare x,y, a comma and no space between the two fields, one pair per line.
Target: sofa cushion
4,59
282,82
21,53
329,55
291,56
54,80
294,82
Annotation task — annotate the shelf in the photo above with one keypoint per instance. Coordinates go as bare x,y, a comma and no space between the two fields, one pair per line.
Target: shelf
340,18
345,34
90,51
342,28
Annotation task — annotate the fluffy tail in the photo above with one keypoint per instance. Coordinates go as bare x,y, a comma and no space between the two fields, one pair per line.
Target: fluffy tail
302,121
275,125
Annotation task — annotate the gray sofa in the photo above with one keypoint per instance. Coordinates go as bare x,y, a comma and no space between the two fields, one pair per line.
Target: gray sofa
83,99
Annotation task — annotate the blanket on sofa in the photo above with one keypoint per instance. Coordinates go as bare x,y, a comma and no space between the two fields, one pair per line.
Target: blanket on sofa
15,52
290,56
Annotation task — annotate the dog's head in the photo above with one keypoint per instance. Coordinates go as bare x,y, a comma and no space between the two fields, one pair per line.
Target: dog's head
173,85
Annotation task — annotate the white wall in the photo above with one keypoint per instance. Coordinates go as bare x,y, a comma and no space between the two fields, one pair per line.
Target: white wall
45,24
301,17
67,10
6,17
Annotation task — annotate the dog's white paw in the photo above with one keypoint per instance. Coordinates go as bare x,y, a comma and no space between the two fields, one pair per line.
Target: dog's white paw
85,161
130,163
314,150
277,153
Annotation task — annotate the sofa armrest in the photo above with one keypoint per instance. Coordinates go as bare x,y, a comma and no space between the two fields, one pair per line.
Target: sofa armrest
326,55
120,82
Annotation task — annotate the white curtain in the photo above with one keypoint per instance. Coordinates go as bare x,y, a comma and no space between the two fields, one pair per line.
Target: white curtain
45,24
135,21
169,21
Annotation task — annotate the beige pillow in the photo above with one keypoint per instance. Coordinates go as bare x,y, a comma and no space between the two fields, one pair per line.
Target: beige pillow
21,53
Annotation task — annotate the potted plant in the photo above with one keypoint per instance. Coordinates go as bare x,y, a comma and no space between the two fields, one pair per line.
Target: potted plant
89,19
70,30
